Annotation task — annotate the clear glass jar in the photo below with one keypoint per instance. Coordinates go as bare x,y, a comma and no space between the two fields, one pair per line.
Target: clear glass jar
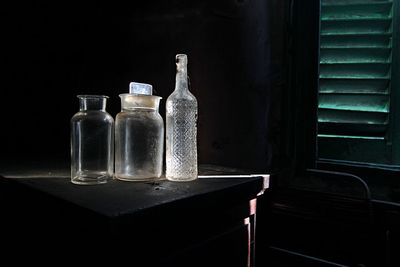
139,138
181,128
92,141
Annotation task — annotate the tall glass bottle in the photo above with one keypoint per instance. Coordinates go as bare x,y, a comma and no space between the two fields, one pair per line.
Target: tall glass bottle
92,141
181,129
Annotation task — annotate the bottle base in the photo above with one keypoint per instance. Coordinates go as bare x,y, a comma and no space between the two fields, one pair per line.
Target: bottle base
91,178
181,179
136,178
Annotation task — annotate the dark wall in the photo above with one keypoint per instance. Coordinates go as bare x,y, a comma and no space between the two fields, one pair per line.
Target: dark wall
237,71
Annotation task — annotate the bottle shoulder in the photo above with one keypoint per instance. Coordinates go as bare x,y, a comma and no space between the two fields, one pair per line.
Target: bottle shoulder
92,115
181,96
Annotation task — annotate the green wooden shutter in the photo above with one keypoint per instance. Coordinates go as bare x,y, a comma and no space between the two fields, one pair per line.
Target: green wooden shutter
355,80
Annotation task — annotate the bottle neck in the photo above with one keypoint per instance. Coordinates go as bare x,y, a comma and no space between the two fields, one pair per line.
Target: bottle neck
92,103
181,82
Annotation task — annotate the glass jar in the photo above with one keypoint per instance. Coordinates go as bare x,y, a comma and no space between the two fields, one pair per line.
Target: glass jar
139,138
92,141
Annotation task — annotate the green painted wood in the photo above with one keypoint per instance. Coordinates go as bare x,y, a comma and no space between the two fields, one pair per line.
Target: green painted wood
354,129
370,40
394,130
355,79
355,70
356,26
327,136
351,116
352,2
355,55
354,86
378,10
355,102
357,149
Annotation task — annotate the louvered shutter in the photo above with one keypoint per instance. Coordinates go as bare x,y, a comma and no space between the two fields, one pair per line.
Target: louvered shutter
355,80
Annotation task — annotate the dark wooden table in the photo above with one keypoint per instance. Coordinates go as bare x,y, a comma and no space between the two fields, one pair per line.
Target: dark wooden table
207,222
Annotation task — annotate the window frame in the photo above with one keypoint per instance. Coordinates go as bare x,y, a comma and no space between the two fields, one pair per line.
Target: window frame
303,75
388,149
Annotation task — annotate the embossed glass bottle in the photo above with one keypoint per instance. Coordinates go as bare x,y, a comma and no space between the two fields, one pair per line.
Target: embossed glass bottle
92,141
181,129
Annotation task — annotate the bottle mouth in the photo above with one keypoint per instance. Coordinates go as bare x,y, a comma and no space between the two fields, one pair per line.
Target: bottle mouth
92,96
135,101
181,58
181,62
92,102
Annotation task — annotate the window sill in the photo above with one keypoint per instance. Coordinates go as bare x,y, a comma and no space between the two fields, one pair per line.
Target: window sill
382,180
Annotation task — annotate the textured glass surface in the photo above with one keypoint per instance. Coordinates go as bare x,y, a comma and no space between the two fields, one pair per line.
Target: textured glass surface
181,130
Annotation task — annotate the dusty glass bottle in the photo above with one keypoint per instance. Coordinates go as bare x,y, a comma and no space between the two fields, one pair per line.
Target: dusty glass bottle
181,129
139,138
92,141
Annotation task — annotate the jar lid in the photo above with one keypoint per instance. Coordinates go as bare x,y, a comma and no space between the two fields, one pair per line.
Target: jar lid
133,101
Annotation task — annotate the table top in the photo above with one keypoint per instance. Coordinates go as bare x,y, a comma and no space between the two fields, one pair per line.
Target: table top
118,198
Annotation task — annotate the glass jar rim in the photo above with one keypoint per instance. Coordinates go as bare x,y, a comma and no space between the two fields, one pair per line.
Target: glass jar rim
134,101
140,96
92,96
